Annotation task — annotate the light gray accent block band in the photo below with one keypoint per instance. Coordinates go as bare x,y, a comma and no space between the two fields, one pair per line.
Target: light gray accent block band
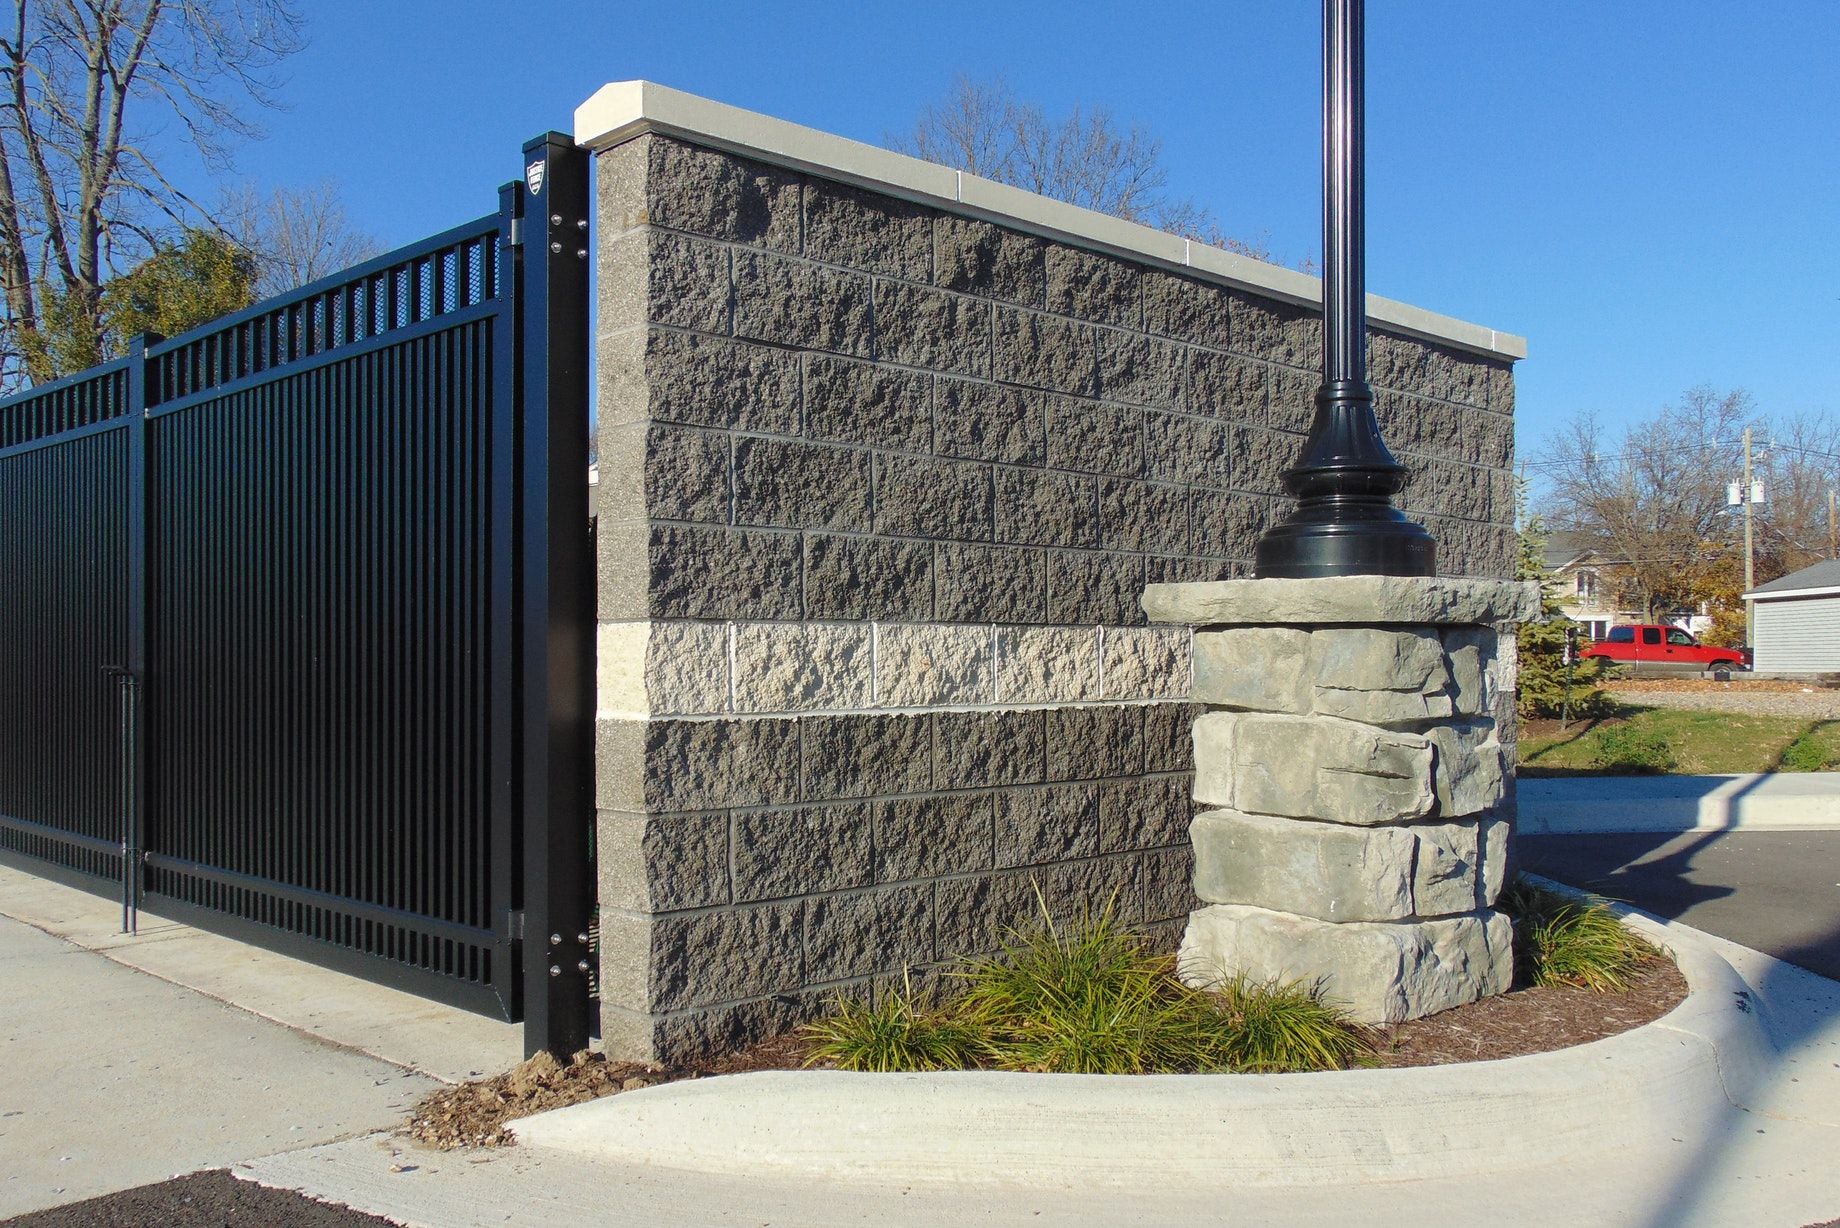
690,668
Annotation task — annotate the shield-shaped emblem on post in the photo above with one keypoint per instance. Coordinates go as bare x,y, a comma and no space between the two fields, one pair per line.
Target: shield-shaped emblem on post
533,175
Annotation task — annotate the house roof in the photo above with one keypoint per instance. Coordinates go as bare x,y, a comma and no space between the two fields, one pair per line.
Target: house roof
1823,577
1564,548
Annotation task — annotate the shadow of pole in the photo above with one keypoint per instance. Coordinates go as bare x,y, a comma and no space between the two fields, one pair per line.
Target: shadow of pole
1791,1030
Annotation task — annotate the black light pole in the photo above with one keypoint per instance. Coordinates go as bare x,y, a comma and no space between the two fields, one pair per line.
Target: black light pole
1345,523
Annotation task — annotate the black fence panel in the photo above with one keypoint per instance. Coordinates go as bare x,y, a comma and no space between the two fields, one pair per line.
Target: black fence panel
64,544
321,559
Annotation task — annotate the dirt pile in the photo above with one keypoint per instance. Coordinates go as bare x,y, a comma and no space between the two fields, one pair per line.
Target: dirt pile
475,1114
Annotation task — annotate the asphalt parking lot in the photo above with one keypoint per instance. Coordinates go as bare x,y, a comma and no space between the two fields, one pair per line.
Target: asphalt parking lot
1773,891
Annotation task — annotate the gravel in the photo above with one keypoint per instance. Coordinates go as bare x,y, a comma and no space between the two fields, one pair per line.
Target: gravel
1814,704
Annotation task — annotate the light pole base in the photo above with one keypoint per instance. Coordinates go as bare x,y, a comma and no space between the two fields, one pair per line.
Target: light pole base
1380,542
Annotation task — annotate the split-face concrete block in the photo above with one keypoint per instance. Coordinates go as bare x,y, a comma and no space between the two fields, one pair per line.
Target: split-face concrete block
1318,768
1333,871
1380,972
1380,676
1471,767
1264,669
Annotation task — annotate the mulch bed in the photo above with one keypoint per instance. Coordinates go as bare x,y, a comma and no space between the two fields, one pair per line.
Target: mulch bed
1533,1019
1525,1020
212,1199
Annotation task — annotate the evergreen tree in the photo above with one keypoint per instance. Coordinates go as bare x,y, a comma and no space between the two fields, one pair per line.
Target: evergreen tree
1548,687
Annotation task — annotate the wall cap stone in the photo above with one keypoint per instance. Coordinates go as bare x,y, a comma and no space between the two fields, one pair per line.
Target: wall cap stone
1358,600
623,110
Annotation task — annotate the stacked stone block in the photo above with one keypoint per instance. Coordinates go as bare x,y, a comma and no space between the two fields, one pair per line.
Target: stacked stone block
1352,765
880,484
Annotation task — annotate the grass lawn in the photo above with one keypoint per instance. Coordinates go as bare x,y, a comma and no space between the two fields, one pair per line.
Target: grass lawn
1682,741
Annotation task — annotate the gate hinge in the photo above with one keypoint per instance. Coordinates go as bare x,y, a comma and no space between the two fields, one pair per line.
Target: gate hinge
514,924
516,238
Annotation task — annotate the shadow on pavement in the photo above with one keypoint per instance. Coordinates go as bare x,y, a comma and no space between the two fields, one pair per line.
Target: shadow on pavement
1623,866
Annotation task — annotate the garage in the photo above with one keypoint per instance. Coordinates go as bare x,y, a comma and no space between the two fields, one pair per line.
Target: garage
1796,622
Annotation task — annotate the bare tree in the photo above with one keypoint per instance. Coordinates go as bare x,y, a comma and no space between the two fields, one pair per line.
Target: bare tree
1652,498
1798,459
83,84
1086,158
295,235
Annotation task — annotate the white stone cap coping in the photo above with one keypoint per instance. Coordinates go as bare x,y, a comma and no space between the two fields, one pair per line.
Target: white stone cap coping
622,110
1359,600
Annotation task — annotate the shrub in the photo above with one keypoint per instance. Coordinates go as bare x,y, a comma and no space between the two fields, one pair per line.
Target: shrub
1806,754
897,1032
1632,750
1566,940
1285,1027
1090,998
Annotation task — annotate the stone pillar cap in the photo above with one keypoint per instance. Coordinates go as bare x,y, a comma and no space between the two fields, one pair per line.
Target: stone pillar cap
1363,600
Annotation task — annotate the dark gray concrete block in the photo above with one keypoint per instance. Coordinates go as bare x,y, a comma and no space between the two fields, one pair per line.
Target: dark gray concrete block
997,584
923,327
865,755
868,578
794,302
977,749
800,851
800,485
724,573
868,231
994,422
944,500
979,258
862,403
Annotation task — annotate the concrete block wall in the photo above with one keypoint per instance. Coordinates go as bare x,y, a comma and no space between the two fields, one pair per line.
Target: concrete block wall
880,485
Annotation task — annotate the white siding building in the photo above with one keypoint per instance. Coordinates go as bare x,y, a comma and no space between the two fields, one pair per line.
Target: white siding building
1797,622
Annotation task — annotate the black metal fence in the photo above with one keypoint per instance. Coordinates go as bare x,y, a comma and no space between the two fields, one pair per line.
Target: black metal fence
296,637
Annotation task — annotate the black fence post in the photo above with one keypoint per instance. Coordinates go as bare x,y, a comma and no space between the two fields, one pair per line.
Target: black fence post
557,600
133,675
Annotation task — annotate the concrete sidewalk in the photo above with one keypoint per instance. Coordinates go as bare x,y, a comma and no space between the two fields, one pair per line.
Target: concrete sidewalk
112,1078
127,1060
450,1044
1775,801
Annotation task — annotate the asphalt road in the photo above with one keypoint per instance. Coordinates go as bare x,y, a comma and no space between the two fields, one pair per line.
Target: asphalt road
205,1200
1777,892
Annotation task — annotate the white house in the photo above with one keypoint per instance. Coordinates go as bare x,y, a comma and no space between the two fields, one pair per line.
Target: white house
1796,621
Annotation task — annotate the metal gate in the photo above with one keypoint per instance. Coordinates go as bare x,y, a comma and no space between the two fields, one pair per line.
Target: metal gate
296,618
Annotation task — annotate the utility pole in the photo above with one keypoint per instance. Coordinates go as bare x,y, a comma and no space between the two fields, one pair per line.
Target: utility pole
1750,607
1833,539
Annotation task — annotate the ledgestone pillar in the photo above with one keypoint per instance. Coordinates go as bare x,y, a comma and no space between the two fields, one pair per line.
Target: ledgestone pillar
1350,777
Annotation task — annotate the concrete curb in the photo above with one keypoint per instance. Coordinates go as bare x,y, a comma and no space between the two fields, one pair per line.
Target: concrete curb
1671,1078
1579,805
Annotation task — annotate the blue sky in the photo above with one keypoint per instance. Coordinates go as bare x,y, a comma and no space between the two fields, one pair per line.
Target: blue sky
1649,192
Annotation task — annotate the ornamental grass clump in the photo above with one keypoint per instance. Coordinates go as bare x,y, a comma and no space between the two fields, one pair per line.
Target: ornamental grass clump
1567,940
1089,998
896,1032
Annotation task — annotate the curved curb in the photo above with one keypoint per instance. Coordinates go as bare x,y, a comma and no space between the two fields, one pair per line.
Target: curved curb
1678,1074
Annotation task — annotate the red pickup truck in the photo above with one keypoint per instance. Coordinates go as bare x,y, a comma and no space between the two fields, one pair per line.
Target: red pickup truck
1653,644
